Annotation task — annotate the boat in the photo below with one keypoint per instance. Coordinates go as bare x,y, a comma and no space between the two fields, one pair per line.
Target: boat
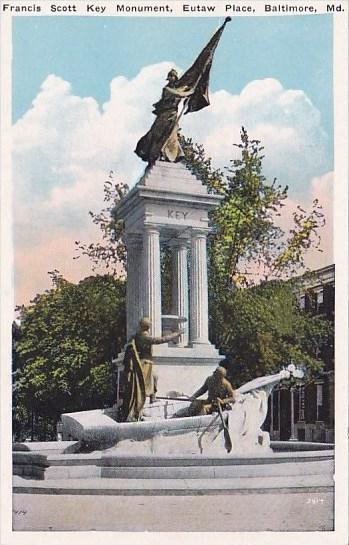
161,430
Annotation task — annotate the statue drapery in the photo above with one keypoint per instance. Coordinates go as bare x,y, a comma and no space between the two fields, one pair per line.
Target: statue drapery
162,138
133,384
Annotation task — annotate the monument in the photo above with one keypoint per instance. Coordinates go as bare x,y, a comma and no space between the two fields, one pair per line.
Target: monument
169,207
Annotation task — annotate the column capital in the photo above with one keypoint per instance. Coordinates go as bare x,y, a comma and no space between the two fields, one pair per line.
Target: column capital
197,232
180,243
132,239
149,228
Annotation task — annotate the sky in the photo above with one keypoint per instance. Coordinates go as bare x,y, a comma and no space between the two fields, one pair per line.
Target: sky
82,94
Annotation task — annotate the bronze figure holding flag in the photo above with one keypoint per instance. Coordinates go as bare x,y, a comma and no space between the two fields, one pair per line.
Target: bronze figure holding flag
161,141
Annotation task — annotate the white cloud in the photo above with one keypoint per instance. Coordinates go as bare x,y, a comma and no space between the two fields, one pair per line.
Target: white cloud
65,146
287,123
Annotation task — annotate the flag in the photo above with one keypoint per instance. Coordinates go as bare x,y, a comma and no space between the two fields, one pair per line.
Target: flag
198,75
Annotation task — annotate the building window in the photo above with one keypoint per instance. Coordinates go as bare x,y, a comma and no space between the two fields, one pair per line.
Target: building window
301,302
320,297
319,300
319,401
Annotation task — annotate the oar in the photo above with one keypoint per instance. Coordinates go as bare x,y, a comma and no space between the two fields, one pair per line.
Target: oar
174,398
227,439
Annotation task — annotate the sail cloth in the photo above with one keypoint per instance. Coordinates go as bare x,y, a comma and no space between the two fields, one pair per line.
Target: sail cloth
162,137
198,75
132,388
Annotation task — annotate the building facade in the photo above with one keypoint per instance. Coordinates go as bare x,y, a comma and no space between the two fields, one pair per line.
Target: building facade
305,412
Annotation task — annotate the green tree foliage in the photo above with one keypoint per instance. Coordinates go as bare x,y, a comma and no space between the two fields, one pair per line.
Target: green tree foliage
265,330
260,327
246,241
63,352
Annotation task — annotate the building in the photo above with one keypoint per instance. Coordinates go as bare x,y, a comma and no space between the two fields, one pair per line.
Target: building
305,412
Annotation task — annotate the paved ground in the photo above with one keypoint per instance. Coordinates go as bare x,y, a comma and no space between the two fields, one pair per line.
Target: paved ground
299,511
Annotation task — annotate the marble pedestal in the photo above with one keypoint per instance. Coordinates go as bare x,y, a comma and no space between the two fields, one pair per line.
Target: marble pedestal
168,208
183,370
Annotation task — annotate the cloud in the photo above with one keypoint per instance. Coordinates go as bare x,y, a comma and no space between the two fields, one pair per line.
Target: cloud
286,122
64,147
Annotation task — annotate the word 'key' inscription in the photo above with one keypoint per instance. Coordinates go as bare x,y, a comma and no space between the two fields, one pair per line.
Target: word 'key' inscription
177,214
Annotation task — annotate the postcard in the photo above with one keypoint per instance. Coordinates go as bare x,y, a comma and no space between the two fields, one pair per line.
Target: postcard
174,243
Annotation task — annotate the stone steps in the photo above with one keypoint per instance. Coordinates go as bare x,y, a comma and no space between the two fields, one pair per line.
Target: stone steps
218,472
129,471
112,473
110,465
177,487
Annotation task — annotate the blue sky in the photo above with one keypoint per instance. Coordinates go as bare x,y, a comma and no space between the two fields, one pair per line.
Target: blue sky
82,94
90,51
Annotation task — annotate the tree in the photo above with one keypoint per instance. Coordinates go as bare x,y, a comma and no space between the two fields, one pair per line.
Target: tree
265,330
247,247
69,334
246,243
63,353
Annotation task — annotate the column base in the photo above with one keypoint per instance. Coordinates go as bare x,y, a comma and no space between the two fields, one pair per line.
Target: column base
199,354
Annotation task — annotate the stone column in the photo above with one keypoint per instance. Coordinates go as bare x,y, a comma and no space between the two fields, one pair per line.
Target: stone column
198,289
279,414
133,291
272,414
180,285
293,429
152,279
331,399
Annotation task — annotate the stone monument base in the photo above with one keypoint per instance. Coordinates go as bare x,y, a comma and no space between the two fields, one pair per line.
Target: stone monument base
184,369
181,369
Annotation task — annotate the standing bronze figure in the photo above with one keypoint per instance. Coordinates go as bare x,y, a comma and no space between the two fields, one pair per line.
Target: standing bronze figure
161,141
138,379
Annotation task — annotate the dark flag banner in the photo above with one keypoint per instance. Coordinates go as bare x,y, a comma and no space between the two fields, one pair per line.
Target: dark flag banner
198,75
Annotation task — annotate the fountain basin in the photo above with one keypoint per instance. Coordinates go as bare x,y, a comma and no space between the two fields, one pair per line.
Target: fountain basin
108,473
